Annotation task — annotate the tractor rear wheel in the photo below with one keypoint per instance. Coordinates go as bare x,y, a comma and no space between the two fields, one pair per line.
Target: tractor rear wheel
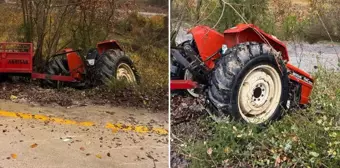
56,66
114,64
248,85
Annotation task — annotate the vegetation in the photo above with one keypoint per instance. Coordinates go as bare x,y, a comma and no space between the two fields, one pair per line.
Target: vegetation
146,40
303,137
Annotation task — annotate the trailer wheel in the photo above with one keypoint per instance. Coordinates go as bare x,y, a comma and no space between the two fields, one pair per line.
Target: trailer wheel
114,64
56,66
248,85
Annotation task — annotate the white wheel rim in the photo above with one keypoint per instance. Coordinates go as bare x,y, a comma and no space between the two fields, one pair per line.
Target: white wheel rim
124,72
188,76
259,94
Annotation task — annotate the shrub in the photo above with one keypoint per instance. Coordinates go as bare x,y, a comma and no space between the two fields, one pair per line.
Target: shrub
146,40
323,12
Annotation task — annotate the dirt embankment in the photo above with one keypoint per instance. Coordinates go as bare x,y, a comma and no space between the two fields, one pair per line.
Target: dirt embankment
27,92
186,116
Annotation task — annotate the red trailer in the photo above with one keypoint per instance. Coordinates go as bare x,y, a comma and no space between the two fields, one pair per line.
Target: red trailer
100,64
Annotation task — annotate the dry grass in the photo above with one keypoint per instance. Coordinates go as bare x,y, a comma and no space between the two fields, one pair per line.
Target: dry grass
10,23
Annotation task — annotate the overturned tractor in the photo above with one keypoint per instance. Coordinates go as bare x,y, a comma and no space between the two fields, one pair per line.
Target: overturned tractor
243,73
102,64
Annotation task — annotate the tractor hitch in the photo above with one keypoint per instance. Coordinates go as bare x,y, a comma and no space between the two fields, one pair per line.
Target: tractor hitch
182,84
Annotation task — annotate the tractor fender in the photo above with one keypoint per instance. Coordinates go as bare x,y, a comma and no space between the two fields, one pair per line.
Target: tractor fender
249,32
106,45
208,41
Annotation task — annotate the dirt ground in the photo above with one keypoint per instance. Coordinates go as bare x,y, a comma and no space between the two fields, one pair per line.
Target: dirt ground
32,93
186,116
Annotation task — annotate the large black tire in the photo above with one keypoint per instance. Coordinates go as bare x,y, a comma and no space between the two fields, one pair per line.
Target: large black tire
3,77
184,74
56,66
233,69
108,63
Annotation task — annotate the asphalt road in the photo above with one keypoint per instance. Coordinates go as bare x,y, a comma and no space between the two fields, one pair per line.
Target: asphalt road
309,56
81,137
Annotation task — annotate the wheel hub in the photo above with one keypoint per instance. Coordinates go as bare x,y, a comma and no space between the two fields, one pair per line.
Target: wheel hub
124,72
259,94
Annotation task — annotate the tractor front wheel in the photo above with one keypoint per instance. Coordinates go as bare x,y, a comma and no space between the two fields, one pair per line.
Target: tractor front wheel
115,65
192,92
248,85
56,66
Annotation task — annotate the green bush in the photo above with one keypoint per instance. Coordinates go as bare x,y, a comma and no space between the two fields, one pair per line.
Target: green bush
322,21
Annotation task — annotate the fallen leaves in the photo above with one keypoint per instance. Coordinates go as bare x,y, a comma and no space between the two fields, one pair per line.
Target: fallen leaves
13,98
34,145
209,151
227,150
99,156
314,154
185,109
14,156
295,139
67,139
68,96
277,161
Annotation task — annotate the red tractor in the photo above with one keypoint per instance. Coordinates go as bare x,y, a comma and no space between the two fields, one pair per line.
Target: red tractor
243,73
101,65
